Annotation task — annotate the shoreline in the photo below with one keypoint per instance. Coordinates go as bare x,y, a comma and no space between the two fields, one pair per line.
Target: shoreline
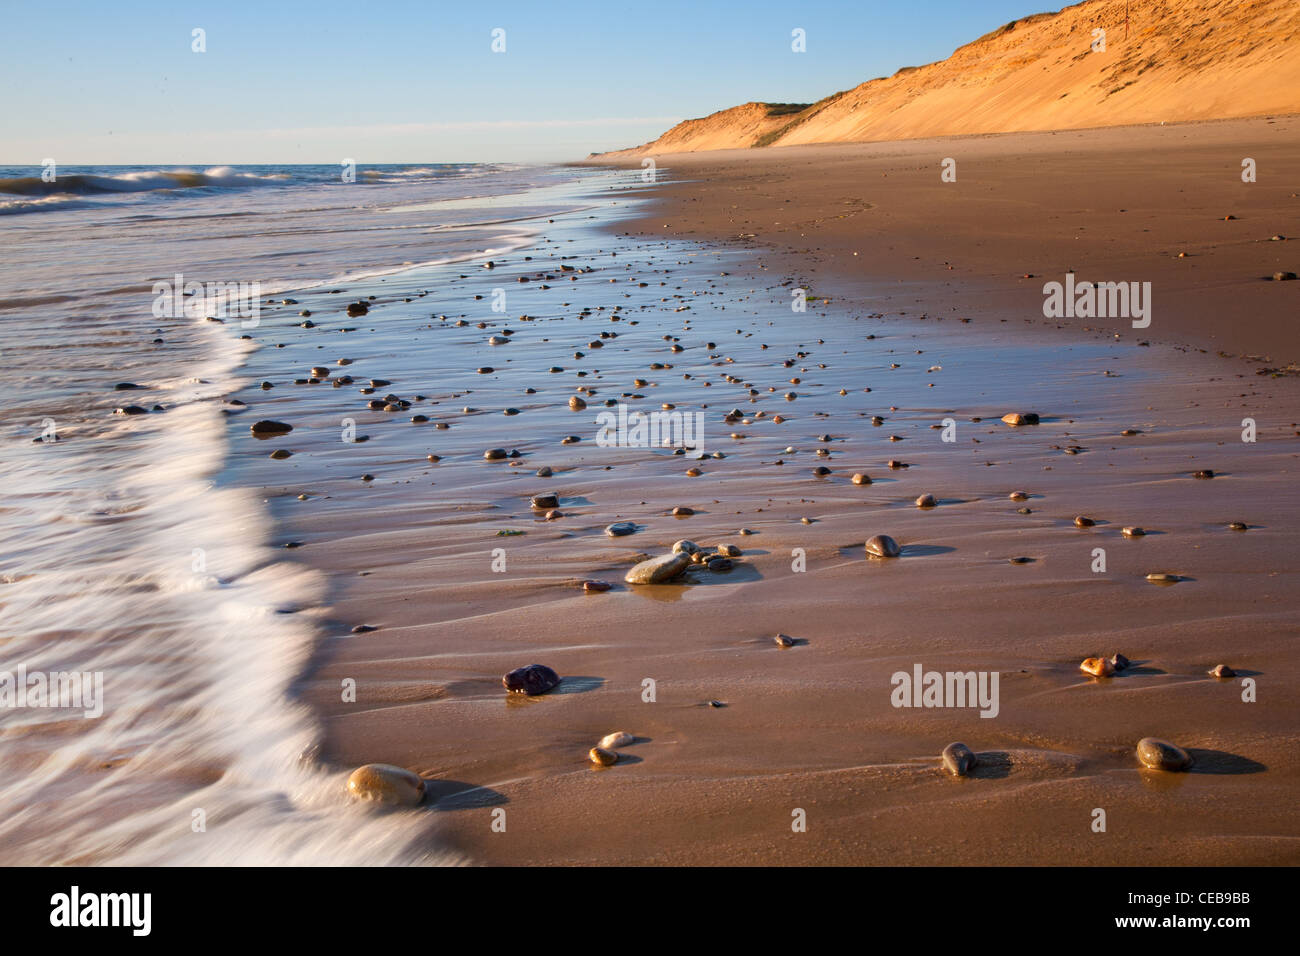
409,554
880,214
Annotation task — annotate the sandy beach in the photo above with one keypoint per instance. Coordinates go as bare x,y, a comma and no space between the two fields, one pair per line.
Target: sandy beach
873,371
891,462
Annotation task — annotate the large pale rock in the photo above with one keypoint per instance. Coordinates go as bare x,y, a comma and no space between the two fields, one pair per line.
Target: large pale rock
660,569
384,783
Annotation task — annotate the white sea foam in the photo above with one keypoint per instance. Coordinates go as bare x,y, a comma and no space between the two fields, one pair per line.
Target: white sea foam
129,551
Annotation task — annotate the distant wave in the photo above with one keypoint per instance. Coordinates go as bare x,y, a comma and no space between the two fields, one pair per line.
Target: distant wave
87,184
44,204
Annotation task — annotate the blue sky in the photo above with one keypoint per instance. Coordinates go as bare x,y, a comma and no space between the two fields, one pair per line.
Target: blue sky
117,82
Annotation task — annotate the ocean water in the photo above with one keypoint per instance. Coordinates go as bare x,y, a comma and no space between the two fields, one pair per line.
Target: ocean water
127,559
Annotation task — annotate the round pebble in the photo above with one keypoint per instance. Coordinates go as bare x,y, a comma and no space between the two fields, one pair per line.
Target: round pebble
883,546
1159,754
958,759
531,679
384,783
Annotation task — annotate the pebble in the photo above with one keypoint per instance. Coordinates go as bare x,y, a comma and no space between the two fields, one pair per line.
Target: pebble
681,511
531,679
1020,418
1097,667
1120,662
926,501
728,551
577,404
596,587
620,528
620,738
883,546
685,547
1083,521
495,454
1238,526
545,501
1204,474
268,427
784,640
384,783
1133,532
544,471
280,454
657,570
1019,496
720,564
602,757
958,759
1161,578
1161,755
1222,670
861,479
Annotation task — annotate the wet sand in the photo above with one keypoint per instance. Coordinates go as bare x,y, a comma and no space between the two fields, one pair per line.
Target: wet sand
810,727
1110,204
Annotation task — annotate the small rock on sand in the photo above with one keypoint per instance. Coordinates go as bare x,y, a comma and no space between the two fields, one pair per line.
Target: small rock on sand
861,479
1020,418
495,454
883,546
384,783
1159,577
1083,521
596,587
958,759
784,640
657,570
620,528
545,501
1133,532
685,547
1097,667
602,757
926,501
268,427
531,679
1222,670
1161,755
620,738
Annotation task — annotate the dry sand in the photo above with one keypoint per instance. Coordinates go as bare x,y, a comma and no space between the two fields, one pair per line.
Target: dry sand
811,727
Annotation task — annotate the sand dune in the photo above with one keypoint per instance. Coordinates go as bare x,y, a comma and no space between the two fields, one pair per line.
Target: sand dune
1173,61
